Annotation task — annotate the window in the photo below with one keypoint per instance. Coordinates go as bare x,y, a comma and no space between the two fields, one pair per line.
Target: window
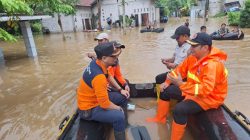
134,10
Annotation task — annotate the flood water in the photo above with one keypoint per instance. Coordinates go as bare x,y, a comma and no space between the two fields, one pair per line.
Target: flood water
36,94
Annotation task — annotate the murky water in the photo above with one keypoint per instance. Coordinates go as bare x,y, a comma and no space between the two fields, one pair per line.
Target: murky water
35,94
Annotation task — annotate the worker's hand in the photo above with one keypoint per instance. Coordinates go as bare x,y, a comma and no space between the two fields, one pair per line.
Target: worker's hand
109,87
127,88
125,93
91,55
171,65
163,86
165,60
175,79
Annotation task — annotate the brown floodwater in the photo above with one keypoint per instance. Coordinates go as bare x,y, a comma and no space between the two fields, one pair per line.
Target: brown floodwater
36,94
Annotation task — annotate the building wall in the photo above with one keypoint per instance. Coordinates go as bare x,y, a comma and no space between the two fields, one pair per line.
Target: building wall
80,16
70,23
113,7
215,7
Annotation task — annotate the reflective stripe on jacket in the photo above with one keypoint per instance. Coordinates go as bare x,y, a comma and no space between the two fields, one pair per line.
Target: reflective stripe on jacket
206,79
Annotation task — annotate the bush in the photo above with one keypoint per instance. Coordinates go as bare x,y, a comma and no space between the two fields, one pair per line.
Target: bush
36,27
185,11
245,16
234,18
221,14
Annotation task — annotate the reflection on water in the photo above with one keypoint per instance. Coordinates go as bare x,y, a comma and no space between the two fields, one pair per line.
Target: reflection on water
35,94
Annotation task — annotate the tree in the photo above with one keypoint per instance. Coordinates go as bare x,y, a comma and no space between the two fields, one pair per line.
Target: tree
30,7
245,15
54,6
175,6
12,7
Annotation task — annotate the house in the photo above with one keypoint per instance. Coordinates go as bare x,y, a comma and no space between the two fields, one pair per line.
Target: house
86,17
144,11
78,22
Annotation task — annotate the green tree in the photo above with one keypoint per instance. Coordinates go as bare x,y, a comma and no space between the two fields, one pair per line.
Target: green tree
245,15
30,7
233,18
12,7
176,6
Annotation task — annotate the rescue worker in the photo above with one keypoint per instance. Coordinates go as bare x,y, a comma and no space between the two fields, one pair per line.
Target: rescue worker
205,86
181,34
93,99
115,70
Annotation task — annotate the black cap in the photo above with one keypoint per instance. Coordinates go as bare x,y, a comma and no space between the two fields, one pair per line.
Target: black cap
200,39
106,49
182,30
117,44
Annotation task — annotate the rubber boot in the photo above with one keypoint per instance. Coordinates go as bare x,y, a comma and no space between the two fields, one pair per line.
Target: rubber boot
158,91
178,131
162,112
119,135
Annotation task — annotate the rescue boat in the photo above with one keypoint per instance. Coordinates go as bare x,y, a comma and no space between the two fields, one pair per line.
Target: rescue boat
214,124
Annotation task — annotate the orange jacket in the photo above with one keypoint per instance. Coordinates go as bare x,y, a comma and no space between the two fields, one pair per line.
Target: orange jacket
92,90
206,79
115,71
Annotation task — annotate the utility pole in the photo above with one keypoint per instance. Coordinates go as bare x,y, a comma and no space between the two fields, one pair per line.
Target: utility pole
206,11
99,15
123,16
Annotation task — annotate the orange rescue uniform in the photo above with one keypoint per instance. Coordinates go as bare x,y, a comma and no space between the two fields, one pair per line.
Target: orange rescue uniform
206,79
96,92
115,71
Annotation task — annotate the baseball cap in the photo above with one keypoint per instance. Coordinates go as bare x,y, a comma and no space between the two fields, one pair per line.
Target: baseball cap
102,36
106,49
200,39
117,44
181,30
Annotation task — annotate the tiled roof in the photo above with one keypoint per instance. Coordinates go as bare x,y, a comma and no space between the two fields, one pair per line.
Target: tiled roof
85,2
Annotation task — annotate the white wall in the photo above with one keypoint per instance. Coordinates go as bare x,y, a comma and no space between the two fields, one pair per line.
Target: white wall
82,14
133,7
53,26
215,7
68,22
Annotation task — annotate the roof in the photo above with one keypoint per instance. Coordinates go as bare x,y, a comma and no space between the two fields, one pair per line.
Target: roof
85,3
24,18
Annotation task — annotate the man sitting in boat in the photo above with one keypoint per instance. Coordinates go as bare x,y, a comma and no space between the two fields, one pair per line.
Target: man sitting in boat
205,86
93,99
222,31
235,32
116,80
181,34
